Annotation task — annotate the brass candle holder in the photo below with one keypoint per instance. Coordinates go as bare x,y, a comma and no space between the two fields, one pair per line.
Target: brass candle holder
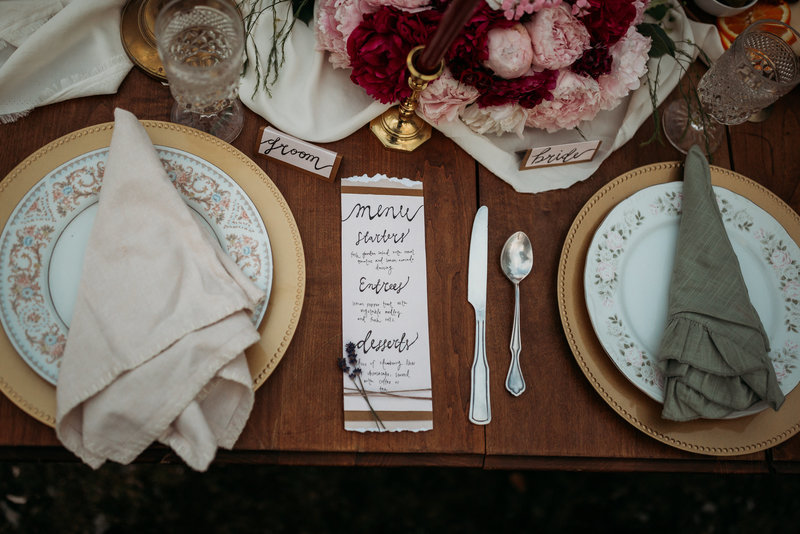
400,128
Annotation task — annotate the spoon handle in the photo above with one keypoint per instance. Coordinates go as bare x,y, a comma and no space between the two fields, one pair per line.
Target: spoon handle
480,411
515,384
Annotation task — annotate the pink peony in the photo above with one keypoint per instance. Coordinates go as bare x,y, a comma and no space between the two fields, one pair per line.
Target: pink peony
557,37
445,98
630,64
516,9
411,6
580,7
576,98
336,20
641,7
495,119
510,51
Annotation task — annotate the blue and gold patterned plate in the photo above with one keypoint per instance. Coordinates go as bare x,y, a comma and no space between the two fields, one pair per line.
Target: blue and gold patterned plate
43,244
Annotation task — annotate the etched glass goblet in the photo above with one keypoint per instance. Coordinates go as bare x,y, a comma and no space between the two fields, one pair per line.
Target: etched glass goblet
761,66
201,44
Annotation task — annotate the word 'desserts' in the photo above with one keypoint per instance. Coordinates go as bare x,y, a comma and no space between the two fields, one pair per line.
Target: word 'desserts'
546,156
297,153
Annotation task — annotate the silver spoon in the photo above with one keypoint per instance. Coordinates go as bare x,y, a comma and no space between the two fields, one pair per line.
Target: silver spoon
516,260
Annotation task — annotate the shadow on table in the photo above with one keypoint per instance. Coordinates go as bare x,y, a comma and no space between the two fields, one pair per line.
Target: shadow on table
68,498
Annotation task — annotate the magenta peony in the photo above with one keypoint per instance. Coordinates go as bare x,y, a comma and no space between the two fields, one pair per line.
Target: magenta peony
378,48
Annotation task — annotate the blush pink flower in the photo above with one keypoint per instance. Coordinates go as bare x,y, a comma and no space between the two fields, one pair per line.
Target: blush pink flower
516,9
336,20
495,119
411,6
445,98
557,37
629,65
641,7
580,7
510,51
576,98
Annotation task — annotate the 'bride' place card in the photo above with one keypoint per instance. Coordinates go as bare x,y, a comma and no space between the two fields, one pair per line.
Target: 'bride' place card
386,358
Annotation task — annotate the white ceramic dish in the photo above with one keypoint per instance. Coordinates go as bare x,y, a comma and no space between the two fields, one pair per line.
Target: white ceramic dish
628,267
720,9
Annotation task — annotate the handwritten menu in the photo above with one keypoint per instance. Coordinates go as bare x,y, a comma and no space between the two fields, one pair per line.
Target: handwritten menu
385,305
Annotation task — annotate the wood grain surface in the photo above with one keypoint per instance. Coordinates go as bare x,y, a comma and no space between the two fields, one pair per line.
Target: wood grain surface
560,422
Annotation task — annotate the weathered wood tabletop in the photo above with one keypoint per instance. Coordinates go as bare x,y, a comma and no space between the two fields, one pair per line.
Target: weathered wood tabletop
560,422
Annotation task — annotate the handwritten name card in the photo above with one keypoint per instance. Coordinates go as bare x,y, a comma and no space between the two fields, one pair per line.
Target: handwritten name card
547,156
385,303
297,153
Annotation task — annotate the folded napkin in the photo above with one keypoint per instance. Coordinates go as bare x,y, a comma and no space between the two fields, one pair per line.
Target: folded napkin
714,350
53,50
313,101
162,317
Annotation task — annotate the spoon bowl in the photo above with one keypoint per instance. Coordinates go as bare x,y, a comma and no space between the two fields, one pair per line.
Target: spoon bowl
516,260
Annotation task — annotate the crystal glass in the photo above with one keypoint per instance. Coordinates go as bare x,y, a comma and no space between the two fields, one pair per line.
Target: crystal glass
760,67
201,44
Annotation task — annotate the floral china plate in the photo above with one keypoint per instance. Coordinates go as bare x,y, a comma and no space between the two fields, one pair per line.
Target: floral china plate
44,241
628,268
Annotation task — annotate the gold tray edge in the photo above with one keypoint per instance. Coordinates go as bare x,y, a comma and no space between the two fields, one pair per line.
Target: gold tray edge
38,397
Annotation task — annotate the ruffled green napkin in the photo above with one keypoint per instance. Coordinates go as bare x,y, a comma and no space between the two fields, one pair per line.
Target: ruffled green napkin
714,350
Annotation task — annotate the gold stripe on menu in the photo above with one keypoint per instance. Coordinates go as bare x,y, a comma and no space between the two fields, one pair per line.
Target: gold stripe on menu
366,415
362,190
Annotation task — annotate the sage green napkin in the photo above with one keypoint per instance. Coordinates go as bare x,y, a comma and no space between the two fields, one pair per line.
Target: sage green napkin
714,350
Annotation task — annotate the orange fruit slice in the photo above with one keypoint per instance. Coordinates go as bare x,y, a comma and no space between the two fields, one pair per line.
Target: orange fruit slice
730,27
726,43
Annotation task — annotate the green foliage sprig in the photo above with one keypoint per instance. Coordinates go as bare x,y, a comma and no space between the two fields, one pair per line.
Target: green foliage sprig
663,13
267,73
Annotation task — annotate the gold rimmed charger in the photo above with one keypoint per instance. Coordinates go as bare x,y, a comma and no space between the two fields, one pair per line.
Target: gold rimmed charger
34,395
713,437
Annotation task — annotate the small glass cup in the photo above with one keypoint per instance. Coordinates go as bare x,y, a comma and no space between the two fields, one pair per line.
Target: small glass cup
761,66
201,44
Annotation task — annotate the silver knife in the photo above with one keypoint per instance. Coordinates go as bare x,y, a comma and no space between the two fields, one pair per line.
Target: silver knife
480,411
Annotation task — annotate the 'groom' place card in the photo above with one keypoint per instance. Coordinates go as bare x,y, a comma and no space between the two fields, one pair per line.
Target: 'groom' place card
387,376
306,157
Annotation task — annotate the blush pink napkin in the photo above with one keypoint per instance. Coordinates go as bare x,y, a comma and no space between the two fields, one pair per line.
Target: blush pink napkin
162,317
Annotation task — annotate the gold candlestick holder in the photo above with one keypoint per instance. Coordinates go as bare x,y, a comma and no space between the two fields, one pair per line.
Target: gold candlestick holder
400,128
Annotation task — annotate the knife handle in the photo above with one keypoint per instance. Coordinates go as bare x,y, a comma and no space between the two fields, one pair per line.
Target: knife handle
480,412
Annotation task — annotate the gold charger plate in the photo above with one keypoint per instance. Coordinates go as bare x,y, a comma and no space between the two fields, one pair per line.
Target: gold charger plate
34,395
713,437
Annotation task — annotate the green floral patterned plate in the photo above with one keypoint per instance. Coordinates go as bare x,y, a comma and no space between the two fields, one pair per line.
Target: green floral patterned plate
628,266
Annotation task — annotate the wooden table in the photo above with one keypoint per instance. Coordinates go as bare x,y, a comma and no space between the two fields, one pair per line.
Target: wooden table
560,422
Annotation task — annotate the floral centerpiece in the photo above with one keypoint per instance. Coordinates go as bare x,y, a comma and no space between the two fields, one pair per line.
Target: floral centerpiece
547,64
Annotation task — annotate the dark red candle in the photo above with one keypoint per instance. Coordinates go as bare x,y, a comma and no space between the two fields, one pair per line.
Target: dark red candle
453,21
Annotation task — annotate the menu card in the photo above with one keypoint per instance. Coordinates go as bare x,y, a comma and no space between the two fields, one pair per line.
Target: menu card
385,306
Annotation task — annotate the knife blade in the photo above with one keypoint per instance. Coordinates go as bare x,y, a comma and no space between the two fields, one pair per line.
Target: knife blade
480,411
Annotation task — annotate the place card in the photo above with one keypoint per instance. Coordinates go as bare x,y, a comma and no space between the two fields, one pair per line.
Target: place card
547,156
283,148
385,305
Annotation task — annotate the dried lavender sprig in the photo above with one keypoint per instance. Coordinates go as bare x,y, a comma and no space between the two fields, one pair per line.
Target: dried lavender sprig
350,348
